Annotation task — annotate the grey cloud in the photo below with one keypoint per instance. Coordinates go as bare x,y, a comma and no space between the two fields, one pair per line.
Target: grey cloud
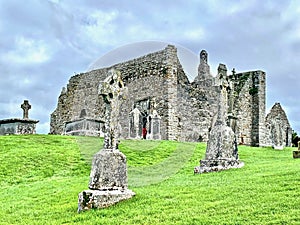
246,35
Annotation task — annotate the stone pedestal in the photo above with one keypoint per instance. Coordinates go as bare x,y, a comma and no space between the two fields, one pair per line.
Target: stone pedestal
17,126
207,166
96,199
296,153
108,181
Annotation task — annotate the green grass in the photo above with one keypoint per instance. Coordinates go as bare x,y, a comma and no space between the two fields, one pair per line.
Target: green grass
41,176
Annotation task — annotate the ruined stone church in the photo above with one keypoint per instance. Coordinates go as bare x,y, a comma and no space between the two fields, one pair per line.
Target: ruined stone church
161,100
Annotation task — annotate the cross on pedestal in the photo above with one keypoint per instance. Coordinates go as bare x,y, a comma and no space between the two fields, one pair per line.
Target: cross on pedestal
25,106
112,91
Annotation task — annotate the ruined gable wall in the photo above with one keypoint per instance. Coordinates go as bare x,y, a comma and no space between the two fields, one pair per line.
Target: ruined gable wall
249,107
278,118
188,120
152,75
81,93
194,112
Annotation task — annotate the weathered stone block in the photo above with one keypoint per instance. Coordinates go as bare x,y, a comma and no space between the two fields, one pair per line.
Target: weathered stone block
207,166
278,147
296,154
96,199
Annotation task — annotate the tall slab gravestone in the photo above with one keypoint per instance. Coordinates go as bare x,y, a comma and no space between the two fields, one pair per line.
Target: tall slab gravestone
221,150
108,178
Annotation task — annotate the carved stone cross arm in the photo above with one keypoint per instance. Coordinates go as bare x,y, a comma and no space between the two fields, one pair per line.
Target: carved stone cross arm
111,90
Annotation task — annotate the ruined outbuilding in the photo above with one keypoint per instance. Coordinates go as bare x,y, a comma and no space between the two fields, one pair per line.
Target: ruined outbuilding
278,128
162,100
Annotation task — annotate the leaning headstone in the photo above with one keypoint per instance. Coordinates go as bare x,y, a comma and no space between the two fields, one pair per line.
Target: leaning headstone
296,153
108,178
221,151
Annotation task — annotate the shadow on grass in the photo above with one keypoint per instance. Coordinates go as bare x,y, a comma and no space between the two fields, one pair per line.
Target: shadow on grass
147,175
174,156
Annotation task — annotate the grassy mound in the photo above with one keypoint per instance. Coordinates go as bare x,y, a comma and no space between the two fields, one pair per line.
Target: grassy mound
41,176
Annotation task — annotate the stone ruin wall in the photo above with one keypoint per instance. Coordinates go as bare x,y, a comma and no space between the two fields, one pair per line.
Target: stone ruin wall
186,108
157,75
248,106
198,103
153,75
80,94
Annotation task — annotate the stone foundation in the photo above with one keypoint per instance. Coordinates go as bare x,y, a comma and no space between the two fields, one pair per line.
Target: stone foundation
207,166
96,199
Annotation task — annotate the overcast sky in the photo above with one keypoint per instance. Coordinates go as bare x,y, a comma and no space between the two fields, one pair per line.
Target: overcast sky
44,42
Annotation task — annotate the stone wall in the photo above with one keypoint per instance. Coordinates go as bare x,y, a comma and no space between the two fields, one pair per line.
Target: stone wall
247,104
150,76
81,94
203,98
157,84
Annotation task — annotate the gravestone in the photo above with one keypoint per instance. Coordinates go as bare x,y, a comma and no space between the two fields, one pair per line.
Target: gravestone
135,126
221,151
296,153
155,127
108,178
155,121
84,127
18,125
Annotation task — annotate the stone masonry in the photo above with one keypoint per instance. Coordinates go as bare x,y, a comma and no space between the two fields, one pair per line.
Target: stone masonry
278,127
185,109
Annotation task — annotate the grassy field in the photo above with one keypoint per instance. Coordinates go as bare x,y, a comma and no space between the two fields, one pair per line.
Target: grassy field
41,176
